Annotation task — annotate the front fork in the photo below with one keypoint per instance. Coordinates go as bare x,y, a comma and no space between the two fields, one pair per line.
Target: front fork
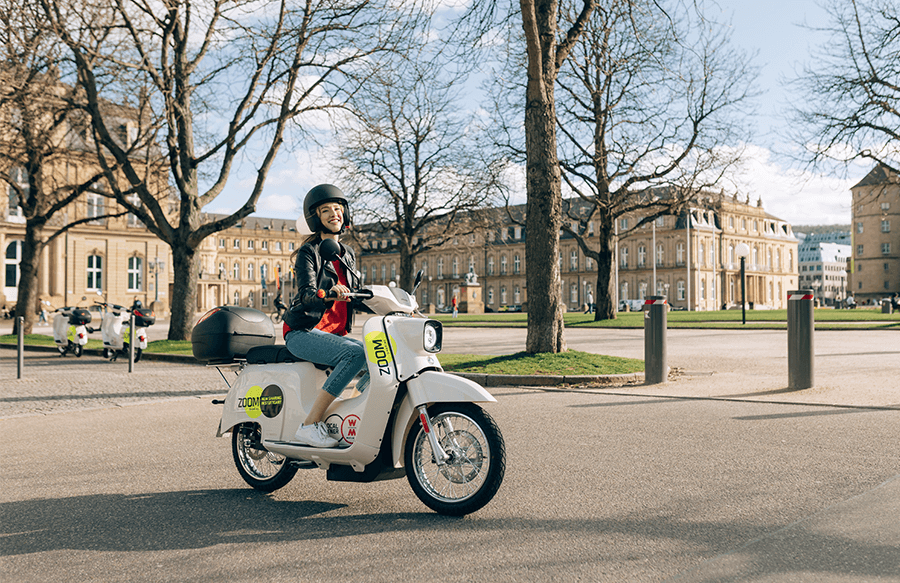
440,456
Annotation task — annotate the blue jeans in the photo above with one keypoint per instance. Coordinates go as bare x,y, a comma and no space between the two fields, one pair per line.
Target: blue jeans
346,355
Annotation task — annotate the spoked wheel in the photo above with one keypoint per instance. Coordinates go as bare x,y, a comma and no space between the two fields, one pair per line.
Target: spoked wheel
262,469
472,475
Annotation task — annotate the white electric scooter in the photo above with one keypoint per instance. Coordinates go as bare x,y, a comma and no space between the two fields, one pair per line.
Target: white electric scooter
412,419
115,325
69,329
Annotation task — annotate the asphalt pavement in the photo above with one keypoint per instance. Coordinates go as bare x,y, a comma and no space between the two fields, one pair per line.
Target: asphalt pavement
720,474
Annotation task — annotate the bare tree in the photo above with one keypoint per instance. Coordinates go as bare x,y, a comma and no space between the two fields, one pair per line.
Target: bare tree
547,36
850,105
212,80
547,51
649,116
38,139
411,159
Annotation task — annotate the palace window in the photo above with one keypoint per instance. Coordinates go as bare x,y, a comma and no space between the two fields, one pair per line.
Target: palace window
135,274
94,273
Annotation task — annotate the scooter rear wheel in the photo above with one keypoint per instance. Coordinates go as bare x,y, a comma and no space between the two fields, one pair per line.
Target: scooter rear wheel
262,469
477,463
78,350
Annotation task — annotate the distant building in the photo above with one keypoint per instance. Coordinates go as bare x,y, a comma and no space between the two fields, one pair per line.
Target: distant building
823,264
248,264
691,258
875,263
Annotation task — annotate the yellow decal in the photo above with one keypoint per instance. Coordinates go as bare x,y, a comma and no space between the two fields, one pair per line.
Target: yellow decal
378,351
250,402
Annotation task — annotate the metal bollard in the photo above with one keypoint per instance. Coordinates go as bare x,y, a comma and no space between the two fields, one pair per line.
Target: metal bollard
800,326
131,343
655,317
20,346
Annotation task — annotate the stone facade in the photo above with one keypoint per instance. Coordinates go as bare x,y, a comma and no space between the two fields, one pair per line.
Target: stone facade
875,263
708,235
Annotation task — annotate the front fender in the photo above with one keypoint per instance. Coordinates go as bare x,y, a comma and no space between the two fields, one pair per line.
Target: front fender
431,387
440,387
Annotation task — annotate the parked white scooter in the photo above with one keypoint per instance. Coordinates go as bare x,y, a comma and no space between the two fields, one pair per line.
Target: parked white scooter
412,419
114,328
69,329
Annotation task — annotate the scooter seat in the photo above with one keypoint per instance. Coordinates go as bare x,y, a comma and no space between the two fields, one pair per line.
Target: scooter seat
271,354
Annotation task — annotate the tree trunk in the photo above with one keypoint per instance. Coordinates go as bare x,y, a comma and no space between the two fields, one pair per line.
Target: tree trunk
606,284
27,301
542,223
184,292
406,268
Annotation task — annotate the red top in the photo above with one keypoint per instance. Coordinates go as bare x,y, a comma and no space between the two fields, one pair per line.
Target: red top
334,320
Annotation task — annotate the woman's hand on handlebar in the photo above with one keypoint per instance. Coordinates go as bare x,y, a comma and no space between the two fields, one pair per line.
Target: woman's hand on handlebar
346,294
339,293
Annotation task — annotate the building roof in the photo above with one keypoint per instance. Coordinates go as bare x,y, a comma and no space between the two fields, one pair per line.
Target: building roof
258,222
878,175
822,252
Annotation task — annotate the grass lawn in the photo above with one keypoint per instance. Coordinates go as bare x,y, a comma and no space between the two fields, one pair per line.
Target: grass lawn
572,362
826,319
575,362
160,346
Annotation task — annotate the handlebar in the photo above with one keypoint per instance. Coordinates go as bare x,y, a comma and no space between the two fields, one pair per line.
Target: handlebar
362,294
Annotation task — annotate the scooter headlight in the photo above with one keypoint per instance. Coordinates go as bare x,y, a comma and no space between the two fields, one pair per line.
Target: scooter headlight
433,335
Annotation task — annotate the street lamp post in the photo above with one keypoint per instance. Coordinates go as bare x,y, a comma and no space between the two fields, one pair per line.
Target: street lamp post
743,250
156,265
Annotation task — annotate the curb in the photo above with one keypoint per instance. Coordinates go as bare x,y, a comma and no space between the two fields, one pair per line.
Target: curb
485,380
183,358
509,380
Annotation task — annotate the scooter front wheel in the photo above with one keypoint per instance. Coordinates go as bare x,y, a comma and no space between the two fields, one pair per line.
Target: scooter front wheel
477,459
262,469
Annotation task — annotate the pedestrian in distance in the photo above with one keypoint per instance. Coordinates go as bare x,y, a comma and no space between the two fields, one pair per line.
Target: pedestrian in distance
279,305
455,303
42,311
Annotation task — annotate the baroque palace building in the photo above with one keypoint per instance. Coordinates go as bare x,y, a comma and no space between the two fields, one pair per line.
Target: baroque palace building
691,258
113,259
250,263
119,260
874,272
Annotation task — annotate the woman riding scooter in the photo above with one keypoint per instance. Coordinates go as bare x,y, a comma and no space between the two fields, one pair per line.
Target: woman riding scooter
315,328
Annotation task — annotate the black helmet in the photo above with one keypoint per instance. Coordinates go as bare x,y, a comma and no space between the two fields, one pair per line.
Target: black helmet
319,195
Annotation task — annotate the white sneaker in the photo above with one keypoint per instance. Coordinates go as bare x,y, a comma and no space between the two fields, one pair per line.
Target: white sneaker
315,435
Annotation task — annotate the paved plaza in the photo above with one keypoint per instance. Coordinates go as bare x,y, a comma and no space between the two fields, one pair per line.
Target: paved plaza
720,474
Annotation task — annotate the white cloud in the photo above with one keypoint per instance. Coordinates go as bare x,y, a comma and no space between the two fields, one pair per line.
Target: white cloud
800,197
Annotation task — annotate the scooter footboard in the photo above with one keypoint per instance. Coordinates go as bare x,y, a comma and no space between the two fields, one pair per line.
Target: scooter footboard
432,387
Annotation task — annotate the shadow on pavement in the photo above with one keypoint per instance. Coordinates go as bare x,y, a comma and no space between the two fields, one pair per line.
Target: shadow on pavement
205,518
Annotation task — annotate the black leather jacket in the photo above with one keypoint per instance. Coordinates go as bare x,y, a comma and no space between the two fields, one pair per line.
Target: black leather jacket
307,308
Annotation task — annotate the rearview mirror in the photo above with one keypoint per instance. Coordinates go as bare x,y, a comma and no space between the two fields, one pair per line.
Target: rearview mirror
330,250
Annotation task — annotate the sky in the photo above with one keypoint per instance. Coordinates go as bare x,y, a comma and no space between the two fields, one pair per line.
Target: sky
773,29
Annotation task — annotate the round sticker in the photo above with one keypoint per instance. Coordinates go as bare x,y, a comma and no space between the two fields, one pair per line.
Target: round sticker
349,428
271,401
333,425
250,402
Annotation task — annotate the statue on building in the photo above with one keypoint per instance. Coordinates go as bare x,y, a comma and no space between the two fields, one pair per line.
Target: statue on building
471,278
